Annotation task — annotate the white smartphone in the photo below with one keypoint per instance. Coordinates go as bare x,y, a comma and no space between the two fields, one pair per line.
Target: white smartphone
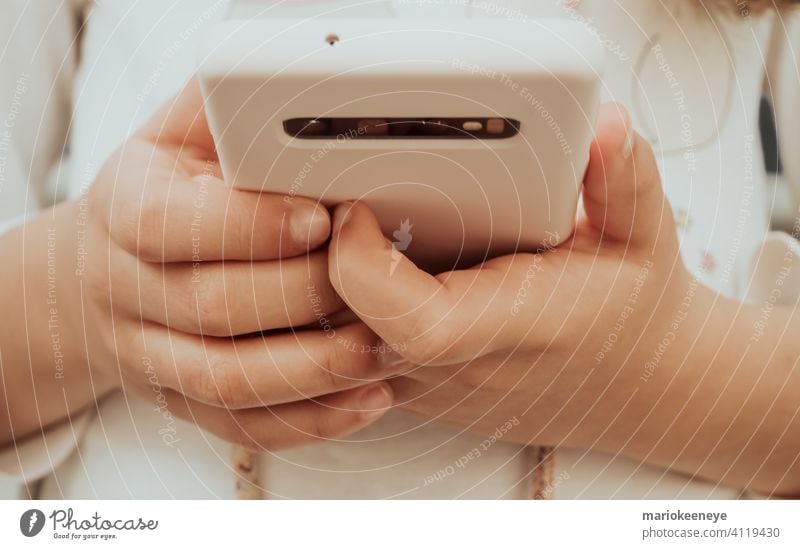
468,138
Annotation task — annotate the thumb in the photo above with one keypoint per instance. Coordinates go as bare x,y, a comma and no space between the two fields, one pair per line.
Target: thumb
182,122
622,193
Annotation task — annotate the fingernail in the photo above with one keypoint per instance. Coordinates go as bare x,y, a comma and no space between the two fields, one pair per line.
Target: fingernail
630,134
309,224
389,359
376,400
341,216
630,140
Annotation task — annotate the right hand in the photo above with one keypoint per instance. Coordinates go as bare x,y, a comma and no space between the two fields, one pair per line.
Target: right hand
182,271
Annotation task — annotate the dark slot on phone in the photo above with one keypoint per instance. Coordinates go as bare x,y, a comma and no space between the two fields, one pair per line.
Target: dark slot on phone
402,128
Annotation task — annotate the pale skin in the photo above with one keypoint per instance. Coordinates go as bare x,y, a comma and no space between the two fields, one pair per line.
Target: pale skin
464,356
151,285
721,401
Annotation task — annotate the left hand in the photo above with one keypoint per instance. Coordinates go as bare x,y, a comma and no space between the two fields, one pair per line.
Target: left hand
557,340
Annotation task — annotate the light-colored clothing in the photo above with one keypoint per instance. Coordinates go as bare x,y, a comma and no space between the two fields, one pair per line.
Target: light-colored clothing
692,84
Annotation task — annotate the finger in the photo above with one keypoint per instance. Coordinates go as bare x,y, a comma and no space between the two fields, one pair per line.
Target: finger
266,370
236,298
177,216
622,193
182,122
181,210
427,319
283,426
360,269
228,298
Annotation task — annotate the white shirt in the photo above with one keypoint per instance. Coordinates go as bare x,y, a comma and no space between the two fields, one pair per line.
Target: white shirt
692,84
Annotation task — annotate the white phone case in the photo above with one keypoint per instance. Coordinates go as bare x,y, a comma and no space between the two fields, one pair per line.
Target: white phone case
442,201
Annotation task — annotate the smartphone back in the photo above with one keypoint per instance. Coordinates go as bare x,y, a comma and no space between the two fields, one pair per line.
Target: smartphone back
444,200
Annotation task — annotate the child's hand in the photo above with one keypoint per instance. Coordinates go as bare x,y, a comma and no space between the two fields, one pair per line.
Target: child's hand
534,336
179,265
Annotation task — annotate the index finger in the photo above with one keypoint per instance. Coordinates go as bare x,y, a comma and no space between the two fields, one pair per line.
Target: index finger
170,204
174,218
182,122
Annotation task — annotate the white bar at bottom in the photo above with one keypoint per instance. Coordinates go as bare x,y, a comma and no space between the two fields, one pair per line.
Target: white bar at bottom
402,524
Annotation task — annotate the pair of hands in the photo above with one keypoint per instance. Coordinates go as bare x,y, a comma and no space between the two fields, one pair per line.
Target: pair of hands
191,269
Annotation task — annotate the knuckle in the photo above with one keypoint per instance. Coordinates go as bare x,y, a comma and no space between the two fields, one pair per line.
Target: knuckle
124,230
97,284
241,230
199,385
331,365
140,231
209,305
227,385
236,232
218,384
263,219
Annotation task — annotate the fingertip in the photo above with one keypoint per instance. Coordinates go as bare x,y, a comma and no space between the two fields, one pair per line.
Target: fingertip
622,182
614,136
309,224
374,400
611,147
357,234
347,212
340,215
